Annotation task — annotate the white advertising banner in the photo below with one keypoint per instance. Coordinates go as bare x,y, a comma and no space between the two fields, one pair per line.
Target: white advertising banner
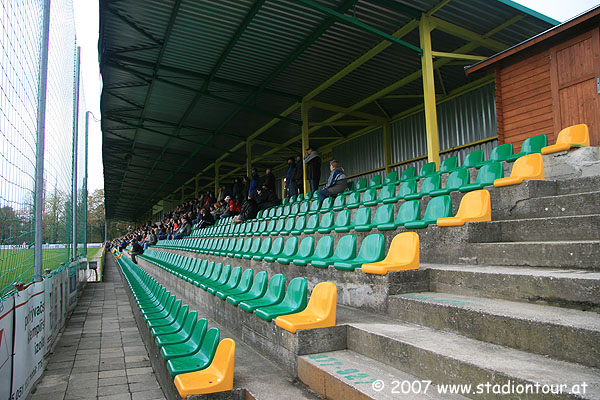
54,312
7,313
30,343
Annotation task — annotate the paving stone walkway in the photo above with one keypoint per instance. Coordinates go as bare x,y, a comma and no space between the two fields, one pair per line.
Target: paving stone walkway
100,354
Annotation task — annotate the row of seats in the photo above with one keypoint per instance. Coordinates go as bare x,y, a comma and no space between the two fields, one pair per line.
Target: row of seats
195,358
255,293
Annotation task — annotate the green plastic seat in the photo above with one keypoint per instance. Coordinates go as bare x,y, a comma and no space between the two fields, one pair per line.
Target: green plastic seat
223,277
159,310
245,248
324,249
448,165
304,207
299,225
374,182
408,211
485,177
326,224
344,251
387,192
473,159
258,288
391,178
289,250
426,170
274,295
305,250
369,197
406,188
361,185
275,251
362,216
253,250
429,184
207,273
339,203
350,187
408,174
289,226
170,318
286,211
328,203
262,227
295,300
230,246
315,206
264,249
239,243
312,224
315,194
383,215
180,336
190,346
438,207
294,209
270,228
353,200
215,273
232,281
372,249
199,360
499,153
242,287
342,222
278,226
531,145
459,177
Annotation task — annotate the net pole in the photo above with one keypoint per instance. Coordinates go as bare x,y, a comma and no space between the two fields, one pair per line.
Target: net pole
75,148
41,134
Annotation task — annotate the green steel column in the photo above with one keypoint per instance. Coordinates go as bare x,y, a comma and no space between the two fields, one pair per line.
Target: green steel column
433,147
387,146
305,144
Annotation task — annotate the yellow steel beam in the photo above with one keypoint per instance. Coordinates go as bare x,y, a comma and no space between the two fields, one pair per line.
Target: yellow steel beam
437,8
305,143
403,96
387,146
265,143
433,147
466,34
332,107
351,122
442,54
387,116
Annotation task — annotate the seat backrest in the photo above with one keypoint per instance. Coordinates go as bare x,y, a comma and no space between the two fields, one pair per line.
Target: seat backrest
362,216
391,177
255,246
327,220
216,272
209,344
375,181
534,144
408,211
328,202
404,247
384,214
370,195
209,270
286,210
449,164
350,185
427,169
306,247
501,152
292,199
202,268
313,221
340,200
342,219
225,272
277,246
262,226
304,207
353,198
407,188
372,248
576,134
190,322
323,299
459,177
438,207
475,204
346,247
198,333
259,286
289,224
291,247
265,246
246,279
473,159
361,184
270,226
247,245
314,206
531,165
430,183
296,294
223,361
259,214
276,289
300,223
387,191
408,173
489,173
234,277
294,209
324,247
181,315
279,225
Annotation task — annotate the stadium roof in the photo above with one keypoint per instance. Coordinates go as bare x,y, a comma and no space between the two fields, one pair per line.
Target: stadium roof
188,83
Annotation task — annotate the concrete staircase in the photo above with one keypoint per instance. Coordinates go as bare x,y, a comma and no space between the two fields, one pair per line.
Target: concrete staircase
515,303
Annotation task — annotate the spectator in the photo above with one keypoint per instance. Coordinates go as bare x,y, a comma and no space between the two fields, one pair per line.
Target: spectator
162,234
136,249
254,182
266,198
219,209
238,190
151,239
290,178
249,211
313,168
123,245
269,179
221,194
336,183
299,178
184,230
246,187
234,207
206,219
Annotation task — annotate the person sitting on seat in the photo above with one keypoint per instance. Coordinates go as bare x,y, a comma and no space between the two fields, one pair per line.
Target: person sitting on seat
136,248
206,218
234,207
266,198
249,211
336,183
162,234
151,239
123,245
184,229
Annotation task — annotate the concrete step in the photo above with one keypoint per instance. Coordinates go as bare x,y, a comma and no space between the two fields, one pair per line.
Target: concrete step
553,206
561,333
347,375
578,185
448,358
581,227
582,254
559,287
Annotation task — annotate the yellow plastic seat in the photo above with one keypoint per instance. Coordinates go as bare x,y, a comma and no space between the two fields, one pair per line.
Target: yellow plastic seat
403,255
529,167
319,313
573,136
475,206
217,377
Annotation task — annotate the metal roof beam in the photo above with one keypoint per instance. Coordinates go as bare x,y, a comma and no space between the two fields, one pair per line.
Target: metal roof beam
133,25
357,24
401,8
332,107
356,122
466,34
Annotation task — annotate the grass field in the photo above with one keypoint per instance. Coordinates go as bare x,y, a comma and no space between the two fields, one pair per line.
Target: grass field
17,265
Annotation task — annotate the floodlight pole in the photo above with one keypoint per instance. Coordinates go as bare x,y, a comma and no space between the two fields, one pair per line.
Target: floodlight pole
41,135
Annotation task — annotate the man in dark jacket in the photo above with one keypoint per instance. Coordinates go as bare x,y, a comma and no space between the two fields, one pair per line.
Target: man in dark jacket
249,211
238,190
290,178
313,168
266,198
269,179
136,249
336,183
206,218
299,178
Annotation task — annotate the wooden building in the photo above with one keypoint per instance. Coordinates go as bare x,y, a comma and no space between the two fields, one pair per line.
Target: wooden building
549,81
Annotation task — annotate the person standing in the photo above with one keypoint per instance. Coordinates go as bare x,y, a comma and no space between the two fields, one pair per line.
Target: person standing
269,179
299,178
290,178
313,168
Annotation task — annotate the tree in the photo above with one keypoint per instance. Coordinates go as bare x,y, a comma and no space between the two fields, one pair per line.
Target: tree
95,217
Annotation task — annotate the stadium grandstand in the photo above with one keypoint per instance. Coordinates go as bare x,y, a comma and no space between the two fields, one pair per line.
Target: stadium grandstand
429,226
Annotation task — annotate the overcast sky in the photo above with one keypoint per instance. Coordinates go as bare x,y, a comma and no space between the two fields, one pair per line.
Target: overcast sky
86,21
